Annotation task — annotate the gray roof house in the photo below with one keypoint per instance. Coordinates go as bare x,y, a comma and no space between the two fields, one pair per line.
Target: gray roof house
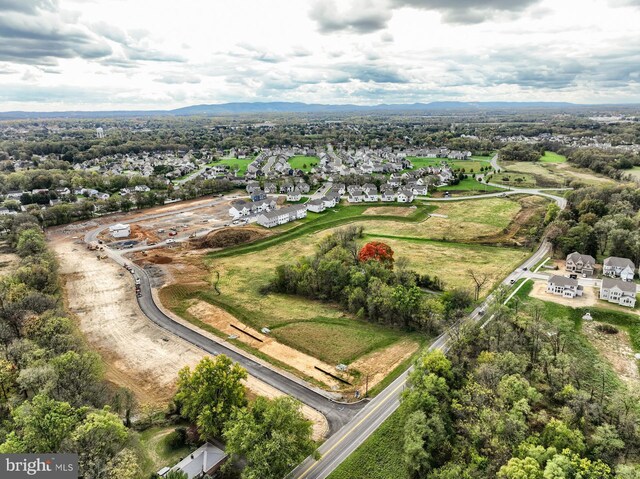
565,287
207,459
316,206
580,263
618,292
622,268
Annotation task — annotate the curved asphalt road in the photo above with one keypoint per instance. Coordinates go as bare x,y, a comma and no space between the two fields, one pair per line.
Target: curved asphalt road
350,424
337,413
339,446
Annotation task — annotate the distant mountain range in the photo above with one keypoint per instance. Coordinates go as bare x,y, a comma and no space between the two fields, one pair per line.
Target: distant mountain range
242,108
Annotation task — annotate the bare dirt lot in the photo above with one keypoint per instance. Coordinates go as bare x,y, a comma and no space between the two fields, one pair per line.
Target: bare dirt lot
390,358
589,297
225,322
616,348
138,354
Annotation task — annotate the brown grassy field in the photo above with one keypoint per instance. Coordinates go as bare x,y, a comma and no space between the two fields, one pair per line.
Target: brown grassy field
465,221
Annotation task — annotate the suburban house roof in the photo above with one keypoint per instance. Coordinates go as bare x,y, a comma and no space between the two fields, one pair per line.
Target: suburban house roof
586,259
626,286
563,281
315,202
616,262
203,459
119,226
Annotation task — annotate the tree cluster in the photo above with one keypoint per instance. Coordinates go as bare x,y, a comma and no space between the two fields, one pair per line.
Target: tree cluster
52,395
514,400
599,220
368,283
267,438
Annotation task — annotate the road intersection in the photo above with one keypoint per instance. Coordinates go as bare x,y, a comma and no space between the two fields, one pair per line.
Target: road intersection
349,424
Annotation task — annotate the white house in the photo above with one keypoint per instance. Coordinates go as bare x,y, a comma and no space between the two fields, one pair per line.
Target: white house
356,195
565,287
622,268
317,206
618,292
269,219
388,195
120,230
405,196
294,195
580,263
330,200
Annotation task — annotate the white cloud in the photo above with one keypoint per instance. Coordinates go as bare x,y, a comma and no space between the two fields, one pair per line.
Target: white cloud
137,54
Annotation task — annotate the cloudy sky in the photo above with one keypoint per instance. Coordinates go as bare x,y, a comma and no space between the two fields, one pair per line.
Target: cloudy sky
143,54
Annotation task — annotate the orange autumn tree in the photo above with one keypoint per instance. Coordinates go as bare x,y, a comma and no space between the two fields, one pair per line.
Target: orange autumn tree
377,251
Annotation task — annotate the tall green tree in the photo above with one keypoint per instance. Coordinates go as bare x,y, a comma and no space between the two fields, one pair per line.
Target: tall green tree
272,435
212,393
45,423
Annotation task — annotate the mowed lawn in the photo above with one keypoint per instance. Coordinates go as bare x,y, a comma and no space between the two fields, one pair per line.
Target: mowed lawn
514,179
470,185
552,157
470,166
635,172
304,163
465,220
233,163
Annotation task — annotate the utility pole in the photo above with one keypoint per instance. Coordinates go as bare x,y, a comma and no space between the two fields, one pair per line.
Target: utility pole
366,389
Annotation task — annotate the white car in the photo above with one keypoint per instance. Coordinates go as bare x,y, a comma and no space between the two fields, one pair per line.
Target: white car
170,241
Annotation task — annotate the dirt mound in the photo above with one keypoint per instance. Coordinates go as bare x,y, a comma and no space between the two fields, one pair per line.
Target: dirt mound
159,259
229,237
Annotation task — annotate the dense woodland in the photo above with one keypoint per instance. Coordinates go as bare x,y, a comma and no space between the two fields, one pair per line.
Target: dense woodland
52,393
600,221
516,400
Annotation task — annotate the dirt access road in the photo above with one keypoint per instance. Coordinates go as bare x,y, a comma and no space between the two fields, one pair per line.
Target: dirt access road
138,354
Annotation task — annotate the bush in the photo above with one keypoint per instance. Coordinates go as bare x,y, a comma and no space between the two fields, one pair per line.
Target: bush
607,329
177,439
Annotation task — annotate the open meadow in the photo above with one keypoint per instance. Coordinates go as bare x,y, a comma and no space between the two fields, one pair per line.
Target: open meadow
224,291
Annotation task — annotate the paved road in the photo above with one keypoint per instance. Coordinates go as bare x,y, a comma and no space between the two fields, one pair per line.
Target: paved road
494,163
350,425
337,413
339,446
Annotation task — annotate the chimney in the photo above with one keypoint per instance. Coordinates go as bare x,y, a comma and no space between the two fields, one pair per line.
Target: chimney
204,459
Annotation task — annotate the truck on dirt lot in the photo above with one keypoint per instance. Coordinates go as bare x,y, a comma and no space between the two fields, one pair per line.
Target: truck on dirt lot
93,246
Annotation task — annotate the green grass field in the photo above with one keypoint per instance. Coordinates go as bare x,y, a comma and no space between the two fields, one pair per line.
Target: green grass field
470,166
234,163
634,172
470,185
551,157
304,163
380,456
315,222
464,220
514,180
155,444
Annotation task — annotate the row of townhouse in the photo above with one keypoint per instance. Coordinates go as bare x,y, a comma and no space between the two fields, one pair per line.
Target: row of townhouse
330,200
613,267
280,216
402,195
245,208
